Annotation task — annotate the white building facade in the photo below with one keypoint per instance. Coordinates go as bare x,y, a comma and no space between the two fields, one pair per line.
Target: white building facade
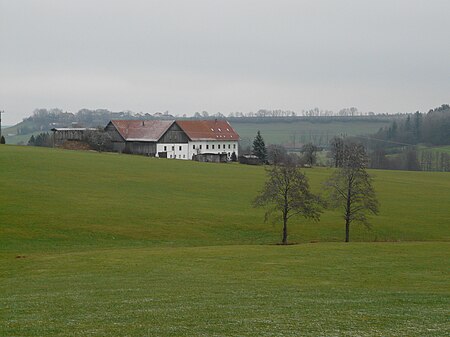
181,139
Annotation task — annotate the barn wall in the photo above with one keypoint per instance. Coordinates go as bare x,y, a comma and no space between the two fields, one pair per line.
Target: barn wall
60,136
145,148
115,136
118,144
174,135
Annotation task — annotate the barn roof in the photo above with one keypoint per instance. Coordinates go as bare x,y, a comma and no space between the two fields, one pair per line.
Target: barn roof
208,129
73,129
140,130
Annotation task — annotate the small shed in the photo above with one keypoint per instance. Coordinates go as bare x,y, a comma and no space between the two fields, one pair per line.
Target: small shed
211,157
250,159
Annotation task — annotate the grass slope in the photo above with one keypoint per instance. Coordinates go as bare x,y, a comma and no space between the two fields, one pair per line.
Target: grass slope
56,199
105,245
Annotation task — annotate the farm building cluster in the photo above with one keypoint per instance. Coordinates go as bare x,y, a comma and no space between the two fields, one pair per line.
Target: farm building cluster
202,140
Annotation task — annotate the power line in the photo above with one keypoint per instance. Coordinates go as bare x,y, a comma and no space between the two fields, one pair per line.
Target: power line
1,112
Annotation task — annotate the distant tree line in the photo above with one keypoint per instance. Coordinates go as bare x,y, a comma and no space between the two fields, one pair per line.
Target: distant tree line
432,128
43,139
398,147
44,119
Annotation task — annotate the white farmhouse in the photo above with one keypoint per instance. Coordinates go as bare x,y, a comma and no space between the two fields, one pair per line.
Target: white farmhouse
180,139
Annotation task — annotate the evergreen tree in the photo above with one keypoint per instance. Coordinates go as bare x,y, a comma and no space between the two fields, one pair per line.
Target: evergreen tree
32,141
259,147
233,157
2,140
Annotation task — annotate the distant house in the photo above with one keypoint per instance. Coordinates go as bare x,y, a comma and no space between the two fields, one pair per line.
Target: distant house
177,139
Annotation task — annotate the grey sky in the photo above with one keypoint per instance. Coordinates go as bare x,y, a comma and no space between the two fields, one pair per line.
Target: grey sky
187,56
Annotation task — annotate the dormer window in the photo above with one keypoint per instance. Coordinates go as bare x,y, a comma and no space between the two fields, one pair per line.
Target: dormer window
219,130
212,129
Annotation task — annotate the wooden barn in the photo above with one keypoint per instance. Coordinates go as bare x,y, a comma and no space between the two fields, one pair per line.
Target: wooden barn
137,136
60,135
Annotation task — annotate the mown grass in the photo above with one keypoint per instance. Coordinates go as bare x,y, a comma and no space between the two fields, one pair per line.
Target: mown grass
361,289
105,245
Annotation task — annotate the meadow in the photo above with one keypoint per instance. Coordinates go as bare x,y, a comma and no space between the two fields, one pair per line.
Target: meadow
102,244
298,132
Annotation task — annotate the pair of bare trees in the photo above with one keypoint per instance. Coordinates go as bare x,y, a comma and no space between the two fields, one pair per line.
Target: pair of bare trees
286,192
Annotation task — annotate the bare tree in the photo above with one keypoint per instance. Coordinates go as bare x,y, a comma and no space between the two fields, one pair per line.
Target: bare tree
350,188
276,154
309,151
336,150
99,140
286,193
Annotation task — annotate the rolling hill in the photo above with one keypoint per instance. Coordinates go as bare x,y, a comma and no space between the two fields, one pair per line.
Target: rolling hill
106,244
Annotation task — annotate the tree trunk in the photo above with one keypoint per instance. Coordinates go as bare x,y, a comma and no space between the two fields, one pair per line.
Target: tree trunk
348,211
347,230
284,242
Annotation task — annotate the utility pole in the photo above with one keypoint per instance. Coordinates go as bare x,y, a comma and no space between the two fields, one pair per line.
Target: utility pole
1,112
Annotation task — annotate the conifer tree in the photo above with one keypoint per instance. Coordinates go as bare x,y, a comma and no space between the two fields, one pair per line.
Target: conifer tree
259,147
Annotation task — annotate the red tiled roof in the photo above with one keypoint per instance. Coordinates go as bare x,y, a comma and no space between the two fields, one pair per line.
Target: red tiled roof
139,130
208,129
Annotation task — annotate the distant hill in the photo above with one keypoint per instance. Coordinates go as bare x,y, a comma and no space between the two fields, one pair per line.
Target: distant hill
278,128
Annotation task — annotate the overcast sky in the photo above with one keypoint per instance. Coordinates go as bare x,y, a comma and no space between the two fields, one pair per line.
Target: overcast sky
222,56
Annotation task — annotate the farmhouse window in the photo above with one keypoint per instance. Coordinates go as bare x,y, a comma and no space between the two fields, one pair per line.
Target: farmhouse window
213,146
207,146
234,146
180,148
229,146
218,146
200,146
173,148
193,146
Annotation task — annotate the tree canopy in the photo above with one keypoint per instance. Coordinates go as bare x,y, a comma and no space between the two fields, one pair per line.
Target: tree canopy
286,193
350,188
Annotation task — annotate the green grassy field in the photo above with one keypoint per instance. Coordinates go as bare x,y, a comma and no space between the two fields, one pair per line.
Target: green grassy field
298,132
106,244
